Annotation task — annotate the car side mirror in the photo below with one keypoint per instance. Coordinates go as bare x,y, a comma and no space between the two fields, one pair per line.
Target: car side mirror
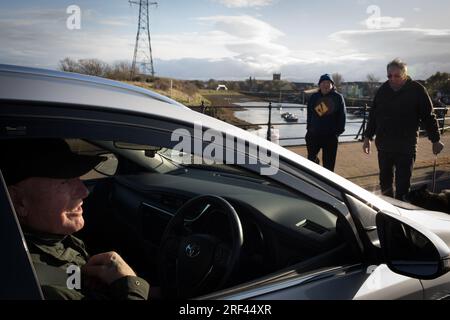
410,252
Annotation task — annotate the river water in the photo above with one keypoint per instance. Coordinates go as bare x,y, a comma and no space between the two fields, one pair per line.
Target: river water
295,130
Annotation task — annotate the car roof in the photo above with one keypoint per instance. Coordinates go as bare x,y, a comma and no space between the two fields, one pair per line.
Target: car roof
63,87
40,85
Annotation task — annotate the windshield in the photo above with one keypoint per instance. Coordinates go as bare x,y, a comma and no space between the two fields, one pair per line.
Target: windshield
183,160
171,161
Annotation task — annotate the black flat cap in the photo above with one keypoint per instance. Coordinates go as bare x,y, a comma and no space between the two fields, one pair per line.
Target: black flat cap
48,158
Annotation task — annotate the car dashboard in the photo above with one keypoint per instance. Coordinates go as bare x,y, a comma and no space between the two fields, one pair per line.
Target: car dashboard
255,202
280,227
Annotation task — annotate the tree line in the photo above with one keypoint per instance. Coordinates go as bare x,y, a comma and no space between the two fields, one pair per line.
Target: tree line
438,84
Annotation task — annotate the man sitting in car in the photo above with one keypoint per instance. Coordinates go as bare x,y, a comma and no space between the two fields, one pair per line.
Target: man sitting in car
43,179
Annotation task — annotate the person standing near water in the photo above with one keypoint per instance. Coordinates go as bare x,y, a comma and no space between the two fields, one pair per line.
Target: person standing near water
398,108
325,122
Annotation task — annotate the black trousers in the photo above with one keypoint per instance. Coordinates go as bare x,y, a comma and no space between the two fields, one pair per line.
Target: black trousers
328,144
402,165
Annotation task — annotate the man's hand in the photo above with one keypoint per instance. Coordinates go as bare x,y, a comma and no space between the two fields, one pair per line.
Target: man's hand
437,147
107,267
366,145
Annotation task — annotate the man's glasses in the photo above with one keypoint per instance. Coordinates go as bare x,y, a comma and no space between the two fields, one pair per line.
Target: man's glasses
396,76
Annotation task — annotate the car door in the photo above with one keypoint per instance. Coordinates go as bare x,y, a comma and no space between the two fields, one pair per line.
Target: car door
357,283
437,289
17,275
292,176
383,284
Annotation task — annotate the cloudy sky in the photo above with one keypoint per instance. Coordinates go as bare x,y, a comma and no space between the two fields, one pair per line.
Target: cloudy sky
235,39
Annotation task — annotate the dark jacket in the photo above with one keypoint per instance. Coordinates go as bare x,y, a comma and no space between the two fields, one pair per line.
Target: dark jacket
395,117
53,254
326,114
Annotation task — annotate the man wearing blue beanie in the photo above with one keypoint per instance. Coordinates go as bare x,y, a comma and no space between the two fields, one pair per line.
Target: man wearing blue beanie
325,122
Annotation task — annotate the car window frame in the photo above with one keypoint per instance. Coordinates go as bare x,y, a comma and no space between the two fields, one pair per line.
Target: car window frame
18,277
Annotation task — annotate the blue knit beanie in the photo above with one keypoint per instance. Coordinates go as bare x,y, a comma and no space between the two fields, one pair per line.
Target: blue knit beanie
325,77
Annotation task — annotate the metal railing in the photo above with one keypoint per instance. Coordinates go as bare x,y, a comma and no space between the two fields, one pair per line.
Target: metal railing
362,111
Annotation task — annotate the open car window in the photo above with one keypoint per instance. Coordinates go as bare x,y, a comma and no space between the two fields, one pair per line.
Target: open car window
17,276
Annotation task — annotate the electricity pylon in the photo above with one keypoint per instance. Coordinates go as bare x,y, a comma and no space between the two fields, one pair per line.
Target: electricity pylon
143,58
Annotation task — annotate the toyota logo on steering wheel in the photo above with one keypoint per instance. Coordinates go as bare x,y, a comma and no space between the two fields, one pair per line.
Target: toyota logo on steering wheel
192,250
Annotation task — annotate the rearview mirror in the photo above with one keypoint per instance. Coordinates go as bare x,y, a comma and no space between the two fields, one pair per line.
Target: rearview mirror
409,252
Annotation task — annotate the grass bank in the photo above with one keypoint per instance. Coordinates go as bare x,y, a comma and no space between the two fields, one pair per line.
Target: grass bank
212,99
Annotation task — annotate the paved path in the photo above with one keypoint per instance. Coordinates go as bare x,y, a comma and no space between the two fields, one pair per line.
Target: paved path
353,164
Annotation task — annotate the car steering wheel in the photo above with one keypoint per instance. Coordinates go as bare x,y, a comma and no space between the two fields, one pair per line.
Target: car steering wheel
191,264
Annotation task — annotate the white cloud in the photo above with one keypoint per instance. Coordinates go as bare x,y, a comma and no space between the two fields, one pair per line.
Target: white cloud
239,36
243,44
208,45
42,39
243,38
245,3
418,47
391,39
383,22
244,26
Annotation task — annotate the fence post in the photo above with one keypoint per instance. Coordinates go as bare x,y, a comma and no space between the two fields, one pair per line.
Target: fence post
269,124
443,120
362,129
364,121
202,107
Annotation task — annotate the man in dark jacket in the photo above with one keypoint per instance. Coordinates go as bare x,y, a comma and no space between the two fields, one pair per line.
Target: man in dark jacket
325,122
42,176
398,108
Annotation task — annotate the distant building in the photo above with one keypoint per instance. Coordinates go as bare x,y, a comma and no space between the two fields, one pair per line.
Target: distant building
221,87
359,89
276,76
352,90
